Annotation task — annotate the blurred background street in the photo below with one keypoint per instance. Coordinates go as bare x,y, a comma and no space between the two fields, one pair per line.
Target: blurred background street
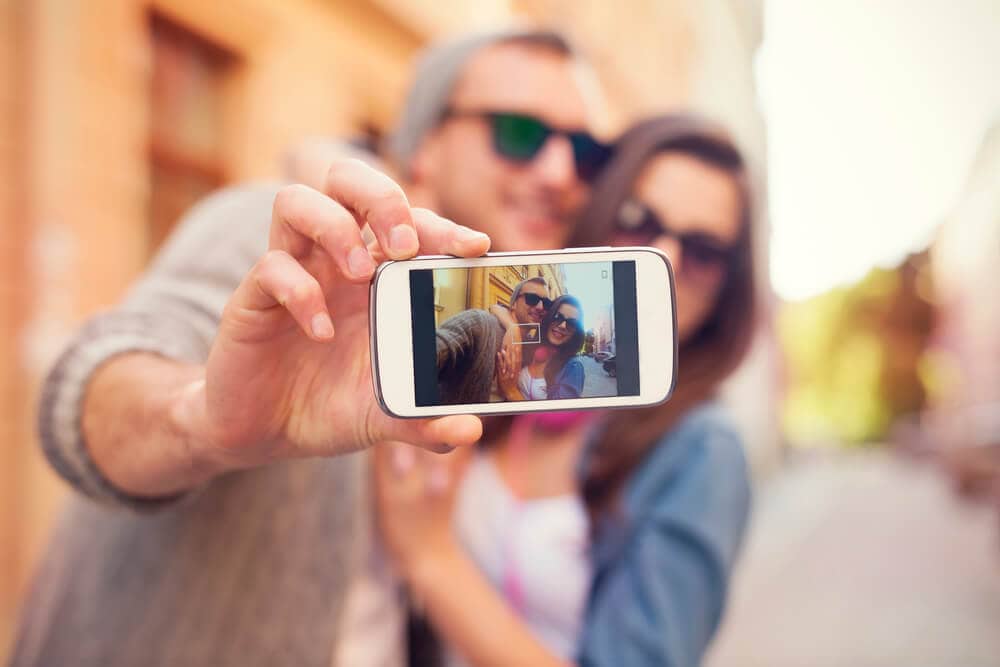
868,559
870,403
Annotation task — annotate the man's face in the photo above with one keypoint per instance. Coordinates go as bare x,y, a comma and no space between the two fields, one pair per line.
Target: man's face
525,313
521,205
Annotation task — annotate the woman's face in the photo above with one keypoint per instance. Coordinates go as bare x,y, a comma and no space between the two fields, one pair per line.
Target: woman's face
690,197
561,330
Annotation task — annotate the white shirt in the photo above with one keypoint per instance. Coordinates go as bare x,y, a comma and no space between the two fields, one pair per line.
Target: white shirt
532,388
540,545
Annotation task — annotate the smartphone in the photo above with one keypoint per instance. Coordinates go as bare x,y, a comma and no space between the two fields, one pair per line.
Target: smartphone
602,320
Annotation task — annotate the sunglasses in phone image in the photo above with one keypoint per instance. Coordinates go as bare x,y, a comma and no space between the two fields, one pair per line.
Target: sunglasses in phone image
571,323
534,299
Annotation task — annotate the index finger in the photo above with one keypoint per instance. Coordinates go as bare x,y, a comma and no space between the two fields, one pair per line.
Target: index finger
376,199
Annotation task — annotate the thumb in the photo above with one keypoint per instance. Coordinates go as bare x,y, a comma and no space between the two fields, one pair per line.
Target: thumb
439,434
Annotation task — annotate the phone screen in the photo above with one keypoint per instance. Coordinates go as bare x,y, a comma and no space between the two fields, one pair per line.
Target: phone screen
576,332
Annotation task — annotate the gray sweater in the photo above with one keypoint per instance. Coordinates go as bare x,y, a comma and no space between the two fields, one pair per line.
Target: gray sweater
249,570
467,346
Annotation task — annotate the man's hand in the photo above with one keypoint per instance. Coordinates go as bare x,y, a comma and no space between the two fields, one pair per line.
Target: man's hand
512,333
507,373
289,373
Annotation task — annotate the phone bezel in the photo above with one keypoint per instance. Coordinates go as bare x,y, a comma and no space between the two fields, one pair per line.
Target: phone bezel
392,345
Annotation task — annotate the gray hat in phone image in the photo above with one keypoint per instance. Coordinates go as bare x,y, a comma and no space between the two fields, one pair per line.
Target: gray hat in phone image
438,70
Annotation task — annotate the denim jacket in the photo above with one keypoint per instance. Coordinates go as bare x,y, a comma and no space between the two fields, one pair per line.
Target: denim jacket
569,382
661,571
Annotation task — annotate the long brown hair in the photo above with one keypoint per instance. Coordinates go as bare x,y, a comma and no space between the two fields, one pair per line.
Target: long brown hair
567,350
717,347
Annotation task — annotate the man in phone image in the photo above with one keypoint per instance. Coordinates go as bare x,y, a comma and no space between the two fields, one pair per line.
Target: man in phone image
468,344
231,380
551,369
530,301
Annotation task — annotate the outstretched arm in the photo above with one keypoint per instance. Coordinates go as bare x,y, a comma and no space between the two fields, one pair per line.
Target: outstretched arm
287,372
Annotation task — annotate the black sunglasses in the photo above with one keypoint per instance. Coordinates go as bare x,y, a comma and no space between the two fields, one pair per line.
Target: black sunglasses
571,323
638,221
519,137
533,299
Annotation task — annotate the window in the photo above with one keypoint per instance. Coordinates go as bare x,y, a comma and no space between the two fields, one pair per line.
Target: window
186,102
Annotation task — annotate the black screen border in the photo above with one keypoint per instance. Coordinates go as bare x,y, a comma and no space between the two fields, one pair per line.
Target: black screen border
626,327
425,382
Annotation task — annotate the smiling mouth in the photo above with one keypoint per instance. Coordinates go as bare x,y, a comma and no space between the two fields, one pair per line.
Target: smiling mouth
536,216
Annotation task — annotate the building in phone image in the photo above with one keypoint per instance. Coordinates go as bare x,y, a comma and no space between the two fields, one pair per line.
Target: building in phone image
456,290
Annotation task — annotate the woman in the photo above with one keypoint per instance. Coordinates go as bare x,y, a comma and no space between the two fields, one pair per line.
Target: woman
604,539
553,371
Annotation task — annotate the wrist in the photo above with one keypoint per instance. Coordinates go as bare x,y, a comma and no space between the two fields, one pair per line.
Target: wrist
188,421
429,566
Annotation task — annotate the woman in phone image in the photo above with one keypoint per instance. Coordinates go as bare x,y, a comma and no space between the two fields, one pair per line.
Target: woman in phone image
553,371
605,539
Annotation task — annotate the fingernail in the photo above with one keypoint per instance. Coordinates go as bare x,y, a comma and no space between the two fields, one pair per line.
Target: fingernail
360,263
403,239
322,326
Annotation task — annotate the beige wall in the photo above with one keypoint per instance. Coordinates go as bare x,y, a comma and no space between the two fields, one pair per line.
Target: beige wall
451,289
14,419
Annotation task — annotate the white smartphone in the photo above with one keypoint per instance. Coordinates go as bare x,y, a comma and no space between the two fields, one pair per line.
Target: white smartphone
602,323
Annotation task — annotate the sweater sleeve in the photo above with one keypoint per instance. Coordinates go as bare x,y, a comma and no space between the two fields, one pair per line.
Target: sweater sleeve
459,336
172,311
660,600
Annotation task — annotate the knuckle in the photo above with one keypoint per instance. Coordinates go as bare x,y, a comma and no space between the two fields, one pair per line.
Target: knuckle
271,262
323,236
303,291
343,167
388,193
391,208
346,163
291,199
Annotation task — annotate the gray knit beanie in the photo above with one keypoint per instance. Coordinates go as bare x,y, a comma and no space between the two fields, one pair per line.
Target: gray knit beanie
437,71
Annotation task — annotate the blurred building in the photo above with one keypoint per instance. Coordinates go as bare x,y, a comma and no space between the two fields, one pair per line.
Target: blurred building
455,291
603,332
121,113
966,265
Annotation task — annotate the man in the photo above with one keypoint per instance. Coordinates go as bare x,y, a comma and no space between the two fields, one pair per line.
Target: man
468,343
215,397
529,300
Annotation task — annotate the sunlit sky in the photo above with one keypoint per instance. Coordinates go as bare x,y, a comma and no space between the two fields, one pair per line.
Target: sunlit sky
874,111
591,283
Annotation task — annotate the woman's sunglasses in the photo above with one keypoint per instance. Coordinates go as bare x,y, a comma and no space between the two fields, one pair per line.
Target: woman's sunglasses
519,138
533,300
637,221
571,323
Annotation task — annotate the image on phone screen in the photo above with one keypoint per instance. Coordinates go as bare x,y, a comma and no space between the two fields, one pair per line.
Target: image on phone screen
576,325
